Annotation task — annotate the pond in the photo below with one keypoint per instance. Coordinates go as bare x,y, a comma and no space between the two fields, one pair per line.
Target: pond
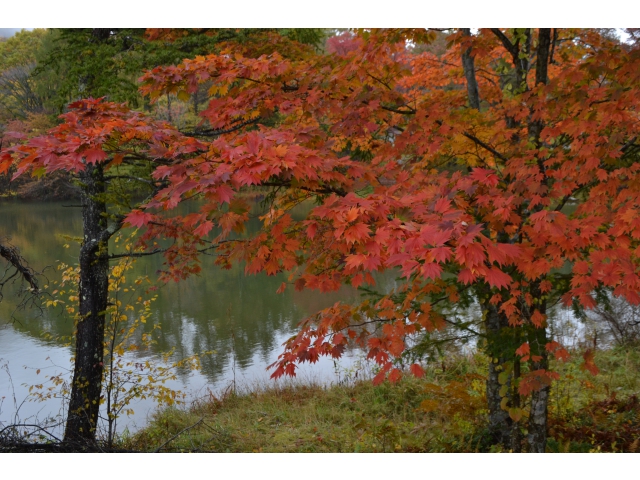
239,318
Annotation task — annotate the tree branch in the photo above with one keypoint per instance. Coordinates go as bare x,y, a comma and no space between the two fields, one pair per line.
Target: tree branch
628,145
217,132
128,177
178,434
411,111
511,48
12,255
325,190
488,148
136,254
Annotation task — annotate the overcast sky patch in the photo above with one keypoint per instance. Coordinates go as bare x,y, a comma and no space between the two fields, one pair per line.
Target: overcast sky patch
10,32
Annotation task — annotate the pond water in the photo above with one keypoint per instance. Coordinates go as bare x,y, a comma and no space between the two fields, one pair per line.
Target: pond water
240,318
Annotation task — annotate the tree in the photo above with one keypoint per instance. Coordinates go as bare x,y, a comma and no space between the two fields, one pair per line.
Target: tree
106,62
502,170
124,151
71,148
516,184
18,93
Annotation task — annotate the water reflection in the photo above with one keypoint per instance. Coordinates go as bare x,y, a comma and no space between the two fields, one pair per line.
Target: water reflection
240,318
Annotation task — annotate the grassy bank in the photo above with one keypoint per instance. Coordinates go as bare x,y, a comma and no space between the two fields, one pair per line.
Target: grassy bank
443,412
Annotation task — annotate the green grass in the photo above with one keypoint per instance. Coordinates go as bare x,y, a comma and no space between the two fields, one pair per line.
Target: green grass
443,412
601,412
310,418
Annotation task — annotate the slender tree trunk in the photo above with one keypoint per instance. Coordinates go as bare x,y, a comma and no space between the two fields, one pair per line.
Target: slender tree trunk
469,68
501,427
86,387
500,424
169,117
537,428
515,402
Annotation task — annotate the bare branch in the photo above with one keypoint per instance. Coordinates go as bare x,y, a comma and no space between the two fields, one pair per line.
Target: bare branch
128,177
410,111
12,255
178,434
488,148
321,191
217,132
136,254
511,48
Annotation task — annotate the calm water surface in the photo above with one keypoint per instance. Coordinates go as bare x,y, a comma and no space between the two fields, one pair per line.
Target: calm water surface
239,317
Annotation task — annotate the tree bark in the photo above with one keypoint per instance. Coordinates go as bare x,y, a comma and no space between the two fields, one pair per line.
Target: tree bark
500,424
542,55
501,427
86,386
469,68
537,428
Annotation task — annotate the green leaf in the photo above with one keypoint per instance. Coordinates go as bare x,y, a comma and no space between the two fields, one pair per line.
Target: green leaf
504,390
38,172
183,95
515,414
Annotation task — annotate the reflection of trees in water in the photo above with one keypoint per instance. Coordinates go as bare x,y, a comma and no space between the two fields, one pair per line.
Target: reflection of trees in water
229,313
35,228
200,314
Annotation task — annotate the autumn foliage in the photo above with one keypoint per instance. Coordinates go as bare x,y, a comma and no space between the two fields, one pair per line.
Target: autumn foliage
532,198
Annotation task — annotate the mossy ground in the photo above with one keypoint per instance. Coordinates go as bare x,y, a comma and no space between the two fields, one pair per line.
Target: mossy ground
442,412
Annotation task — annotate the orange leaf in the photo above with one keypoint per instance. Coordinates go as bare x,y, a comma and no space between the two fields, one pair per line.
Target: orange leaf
395,375
417,370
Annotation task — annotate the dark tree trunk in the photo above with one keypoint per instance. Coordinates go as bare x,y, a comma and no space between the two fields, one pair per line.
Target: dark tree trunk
86,387
469,68
542,55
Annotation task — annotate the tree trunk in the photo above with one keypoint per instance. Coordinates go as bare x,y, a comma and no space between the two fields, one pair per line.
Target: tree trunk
537,428
500,424
537,436
86,387
502,430
469,68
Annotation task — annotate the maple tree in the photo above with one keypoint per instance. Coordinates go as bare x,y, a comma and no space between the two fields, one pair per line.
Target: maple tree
501,170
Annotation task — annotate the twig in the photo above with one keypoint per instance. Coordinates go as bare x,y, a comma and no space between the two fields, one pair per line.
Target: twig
29,425
177,435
